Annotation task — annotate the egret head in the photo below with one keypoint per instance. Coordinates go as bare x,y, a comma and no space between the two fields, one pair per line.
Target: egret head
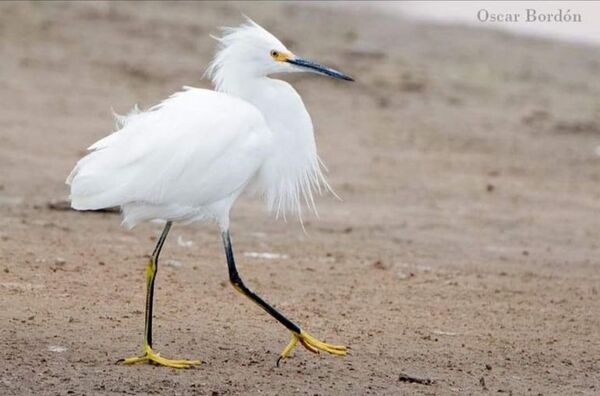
251,51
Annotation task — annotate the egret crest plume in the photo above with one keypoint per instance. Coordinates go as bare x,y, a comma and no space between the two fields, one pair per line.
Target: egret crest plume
241,51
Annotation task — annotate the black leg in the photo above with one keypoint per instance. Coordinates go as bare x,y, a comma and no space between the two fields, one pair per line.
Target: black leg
149,354
151,271
239,285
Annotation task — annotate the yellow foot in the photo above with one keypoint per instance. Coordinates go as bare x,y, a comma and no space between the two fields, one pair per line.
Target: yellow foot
152,357
312,344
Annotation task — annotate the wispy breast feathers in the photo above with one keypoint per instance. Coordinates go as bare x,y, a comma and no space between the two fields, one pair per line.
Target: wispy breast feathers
296,188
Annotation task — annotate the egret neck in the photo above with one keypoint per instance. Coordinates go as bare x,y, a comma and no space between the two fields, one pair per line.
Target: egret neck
293,159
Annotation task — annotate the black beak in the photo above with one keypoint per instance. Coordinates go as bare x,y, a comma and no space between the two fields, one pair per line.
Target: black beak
315,67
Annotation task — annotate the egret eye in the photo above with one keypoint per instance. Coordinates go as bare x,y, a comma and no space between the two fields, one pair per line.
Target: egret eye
274,54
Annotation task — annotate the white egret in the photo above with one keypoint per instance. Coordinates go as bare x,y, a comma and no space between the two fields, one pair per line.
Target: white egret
188,159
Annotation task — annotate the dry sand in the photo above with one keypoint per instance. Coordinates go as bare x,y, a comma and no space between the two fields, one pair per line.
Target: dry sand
465,249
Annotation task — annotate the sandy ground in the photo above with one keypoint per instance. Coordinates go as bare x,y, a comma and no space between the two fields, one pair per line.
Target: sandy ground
465,249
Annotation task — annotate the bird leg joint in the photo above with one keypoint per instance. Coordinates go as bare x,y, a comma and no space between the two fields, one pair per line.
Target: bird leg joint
237,285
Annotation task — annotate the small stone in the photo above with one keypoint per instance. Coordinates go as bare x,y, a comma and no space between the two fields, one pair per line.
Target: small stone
482,383
173,263
379,265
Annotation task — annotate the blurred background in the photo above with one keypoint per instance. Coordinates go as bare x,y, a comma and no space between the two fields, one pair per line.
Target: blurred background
464,249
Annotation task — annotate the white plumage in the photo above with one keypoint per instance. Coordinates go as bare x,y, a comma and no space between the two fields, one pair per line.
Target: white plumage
177,161
189,157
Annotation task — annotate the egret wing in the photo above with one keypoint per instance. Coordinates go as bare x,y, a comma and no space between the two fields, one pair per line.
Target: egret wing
195,148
